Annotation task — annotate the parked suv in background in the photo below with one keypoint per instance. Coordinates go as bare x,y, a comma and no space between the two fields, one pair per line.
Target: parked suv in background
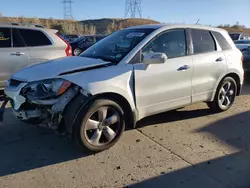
84,42
22,45
130,74
239,36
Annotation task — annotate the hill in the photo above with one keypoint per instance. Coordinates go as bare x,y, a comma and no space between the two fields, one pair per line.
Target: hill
107,25
100,26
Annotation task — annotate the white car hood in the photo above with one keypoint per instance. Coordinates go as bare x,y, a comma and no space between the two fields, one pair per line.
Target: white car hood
54,68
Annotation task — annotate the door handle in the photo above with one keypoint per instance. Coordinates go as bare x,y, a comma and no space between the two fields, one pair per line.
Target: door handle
219,59
17,53
184,67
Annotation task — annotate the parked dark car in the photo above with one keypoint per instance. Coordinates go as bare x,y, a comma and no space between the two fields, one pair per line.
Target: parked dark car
246,59
70,38
84,42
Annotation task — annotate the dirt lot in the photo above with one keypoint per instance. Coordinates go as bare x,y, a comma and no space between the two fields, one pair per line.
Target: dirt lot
186,148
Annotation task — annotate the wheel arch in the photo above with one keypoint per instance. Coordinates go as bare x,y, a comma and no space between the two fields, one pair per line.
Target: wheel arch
71,111
233,75
130,114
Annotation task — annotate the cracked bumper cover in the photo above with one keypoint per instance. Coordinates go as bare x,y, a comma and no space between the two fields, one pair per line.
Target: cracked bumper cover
55,106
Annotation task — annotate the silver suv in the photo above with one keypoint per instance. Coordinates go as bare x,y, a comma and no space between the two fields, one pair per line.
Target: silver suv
131,74
22,45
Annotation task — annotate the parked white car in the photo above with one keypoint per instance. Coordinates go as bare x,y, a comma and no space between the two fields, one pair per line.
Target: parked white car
129,75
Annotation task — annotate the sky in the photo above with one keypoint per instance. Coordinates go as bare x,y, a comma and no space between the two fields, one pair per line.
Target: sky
210,12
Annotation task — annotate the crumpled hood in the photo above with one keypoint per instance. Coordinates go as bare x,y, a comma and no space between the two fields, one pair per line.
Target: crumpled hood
54,68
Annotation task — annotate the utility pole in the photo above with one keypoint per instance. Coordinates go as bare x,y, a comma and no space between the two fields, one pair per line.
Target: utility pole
67,9
197,21
133,8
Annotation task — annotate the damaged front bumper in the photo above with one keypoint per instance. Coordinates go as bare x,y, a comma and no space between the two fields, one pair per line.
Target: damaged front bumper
33,110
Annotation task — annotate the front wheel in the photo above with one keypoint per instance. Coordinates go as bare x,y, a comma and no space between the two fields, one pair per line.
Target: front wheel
99,125
225,95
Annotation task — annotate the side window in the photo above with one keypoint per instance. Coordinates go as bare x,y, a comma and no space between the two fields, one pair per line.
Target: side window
34,37
90,39
5,38
222,41
202,41
172,43
99,38
17,40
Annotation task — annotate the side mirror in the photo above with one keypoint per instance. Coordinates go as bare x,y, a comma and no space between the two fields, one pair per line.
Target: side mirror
154,58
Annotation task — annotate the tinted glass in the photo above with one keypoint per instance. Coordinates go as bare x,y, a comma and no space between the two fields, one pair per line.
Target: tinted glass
222,41
90,39
172,43
234,36
202,41
5,38
34,37
117,45
80,39
99,38
17,40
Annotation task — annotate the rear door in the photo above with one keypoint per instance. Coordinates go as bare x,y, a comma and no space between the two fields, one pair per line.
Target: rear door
13,53
39,45
209,64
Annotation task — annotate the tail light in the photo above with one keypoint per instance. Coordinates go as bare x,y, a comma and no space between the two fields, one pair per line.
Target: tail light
68,50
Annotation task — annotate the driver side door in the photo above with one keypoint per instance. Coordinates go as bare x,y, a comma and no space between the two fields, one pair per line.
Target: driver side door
162,87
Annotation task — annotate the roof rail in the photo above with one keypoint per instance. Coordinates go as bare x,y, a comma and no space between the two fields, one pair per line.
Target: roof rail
22,24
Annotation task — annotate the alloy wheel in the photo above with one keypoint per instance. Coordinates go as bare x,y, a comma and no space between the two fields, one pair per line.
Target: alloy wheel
77,51
102,126
227,94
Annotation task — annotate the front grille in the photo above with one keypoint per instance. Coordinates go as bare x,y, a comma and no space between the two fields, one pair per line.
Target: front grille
14,83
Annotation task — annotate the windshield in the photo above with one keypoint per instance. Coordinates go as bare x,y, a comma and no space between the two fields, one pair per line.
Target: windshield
234,36
117,45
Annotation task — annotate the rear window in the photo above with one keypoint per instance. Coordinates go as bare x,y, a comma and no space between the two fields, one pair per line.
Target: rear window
234,36
5,38
202,41
222,41
34,37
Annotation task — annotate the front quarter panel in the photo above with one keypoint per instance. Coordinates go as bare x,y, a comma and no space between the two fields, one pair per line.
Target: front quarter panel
115,79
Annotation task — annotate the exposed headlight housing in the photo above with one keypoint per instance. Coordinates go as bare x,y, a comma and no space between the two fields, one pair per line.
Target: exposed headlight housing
46,88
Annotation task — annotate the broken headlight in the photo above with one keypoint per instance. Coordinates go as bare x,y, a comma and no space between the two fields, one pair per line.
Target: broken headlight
46,88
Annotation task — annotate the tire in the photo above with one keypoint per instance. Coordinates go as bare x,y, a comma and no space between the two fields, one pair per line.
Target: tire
77,51
225,95
90,139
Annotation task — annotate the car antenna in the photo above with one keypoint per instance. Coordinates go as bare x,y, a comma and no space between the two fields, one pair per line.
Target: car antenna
197,21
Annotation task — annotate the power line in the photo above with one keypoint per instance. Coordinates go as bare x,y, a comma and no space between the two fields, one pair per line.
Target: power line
133,8
67,9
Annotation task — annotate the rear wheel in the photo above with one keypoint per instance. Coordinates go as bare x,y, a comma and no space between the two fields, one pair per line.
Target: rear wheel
225,95
77,51
100,125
